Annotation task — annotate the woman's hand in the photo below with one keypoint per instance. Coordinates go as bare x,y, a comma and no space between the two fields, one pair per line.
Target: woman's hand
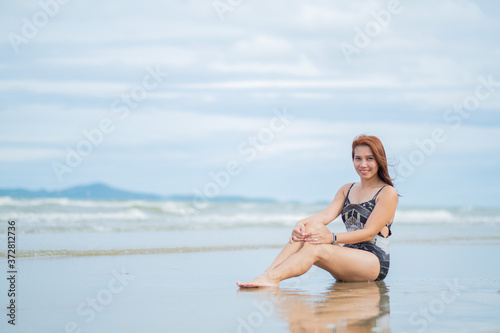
319,236
298,232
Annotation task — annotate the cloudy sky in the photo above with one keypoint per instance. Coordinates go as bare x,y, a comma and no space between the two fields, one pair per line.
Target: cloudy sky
254,98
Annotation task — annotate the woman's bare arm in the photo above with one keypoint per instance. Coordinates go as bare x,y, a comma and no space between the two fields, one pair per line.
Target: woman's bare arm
332,210
326,216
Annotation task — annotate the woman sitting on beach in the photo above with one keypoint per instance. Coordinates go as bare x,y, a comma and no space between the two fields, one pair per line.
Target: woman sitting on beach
367,209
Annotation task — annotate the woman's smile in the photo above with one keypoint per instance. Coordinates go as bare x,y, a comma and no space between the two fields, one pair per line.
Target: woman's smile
364,161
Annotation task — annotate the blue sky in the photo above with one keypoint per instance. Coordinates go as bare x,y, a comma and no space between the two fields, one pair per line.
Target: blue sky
253,98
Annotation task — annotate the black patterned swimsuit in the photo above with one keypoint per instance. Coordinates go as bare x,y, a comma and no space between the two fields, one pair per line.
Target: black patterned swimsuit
355,217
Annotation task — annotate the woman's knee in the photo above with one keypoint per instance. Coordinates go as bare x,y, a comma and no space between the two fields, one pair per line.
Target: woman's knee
316,251
314,226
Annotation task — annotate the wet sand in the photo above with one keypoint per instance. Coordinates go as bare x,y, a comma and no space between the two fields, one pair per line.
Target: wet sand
430,288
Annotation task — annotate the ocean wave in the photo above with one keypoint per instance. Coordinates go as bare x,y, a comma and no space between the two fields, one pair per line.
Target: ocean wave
425,216
246,219
129,214
172,207
68,215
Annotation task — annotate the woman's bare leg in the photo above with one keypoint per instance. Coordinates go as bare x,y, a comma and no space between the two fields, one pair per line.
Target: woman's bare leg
343,263
289,250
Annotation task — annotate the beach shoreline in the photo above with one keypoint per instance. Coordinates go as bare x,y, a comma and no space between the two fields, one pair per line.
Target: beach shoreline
190,292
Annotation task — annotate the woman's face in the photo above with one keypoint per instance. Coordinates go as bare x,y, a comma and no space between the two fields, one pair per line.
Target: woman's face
364,162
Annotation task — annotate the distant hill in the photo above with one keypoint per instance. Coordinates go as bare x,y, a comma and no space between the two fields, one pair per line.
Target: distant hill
92,191
99,191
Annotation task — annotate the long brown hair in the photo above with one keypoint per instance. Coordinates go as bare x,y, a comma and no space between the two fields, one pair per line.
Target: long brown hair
378,153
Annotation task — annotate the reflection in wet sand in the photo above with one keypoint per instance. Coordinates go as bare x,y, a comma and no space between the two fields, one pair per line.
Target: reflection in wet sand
346,307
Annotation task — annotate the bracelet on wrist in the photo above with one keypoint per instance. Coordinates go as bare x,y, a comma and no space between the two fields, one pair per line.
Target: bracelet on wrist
334,239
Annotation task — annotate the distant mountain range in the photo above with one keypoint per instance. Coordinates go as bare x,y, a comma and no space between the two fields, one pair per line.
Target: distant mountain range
100,191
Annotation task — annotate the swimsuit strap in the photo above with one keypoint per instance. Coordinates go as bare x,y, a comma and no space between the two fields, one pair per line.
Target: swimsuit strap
347,195
375,196
350,189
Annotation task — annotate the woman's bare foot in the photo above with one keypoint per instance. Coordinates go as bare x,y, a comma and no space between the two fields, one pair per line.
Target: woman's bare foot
262,281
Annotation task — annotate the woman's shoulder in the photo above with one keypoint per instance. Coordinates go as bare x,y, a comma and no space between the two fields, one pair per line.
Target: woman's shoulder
389,192
348,185
344,188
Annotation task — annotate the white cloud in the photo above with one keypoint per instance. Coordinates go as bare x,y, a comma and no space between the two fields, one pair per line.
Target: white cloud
379,82
62,87
303,67
188,127
164,55
315,14
263,46
28,154
224,74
